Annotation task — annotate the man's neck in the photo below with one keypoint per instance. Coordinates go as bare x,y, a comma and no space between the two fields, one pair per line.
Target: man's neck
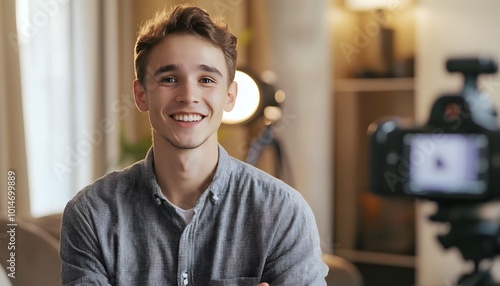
184,174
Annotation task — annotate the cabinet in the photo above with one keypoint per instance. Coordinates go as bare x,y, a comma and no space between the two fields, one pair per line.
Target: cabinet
376,234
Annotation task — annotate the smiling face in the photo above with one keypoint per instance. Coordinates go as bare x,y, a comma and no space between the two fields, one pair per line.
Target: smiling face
186,91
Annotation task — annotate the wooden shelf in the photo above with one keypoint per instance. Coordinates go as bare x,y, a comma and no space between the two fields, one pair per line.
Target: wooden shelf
374,84
357,256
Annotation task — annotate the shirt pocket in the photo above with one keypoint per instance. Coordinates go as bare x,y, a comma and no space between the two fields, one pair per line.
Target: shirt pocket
240,281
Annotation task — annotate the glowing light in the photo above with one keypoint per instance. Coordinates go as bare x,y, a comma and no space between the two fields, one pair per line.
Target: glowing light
366,5
247,100
280,96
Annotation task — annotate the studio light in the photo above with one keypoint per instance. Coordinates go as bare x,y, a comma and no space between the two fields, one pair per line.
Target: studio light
255,98
259,99
247,100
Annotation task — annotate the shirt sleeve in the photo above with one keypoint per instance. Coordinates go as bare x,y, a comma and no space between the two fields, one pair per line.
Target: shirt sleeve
80,252
296,257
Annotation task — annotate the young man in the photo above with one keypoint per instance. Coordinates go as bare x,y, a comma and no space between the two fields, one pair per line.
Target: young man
188,214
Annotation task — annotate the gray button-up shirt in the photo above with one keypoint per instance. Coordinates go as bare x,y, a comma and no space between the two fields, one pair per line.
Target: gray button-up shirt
248,227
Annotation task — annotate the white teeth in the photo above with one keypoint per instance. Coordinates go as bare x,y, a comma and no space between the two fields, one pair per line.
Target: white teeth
187,118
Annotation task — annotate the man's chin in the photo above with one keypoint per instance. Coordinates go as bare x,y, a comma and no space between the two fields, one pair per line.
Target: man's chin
186,145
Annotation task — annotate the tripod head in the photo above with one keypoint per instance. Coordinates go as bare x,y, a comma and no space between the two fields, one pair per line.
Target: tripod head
477,239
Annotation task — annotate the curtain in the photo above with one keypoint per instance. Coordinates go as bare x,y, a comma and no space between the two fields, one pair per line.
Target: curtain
73,76
12,144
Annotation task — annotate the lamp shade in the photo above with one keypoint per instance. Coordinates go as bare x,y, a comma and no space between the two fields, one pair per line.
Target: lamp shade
366,5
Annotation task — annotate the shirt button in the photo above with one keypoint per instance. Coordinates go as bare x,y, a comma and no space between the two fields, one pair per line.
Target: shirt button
185,280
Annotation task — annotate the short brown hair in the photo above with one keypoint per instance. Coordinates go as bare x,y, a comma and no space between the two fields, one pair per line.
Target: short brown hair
184,19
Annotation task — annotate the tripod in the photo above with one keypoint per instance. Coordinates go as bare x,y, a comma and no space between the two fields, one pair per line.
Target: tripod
476,239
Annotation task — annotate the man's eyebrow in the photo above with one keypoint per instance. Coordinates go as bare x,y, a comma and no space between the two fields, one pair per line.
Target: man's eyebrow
210,69
175,67
167,68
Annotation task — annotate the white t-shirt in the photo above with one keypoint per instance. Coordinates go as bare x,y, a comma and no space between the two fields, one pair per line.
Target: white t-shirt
186,215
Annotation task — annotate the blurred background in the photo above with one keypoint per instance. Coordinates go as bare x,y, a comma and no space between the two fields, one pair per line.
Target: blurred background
331,67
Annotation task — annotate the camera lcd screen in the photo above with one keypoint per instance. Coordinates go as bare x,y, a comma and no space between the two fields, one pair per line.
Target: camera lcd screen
446,164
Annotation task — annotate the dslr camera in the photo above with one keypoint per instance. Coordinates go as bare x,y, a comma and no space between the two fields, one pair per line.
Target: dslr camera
455,156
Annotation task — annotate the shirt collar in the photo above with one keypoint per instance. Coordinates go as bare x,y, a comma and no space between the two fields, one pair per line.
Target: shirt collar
216,189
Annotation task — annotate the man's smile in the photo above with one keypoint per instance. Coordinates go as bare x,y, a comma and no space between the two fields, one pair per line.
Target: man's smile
193,117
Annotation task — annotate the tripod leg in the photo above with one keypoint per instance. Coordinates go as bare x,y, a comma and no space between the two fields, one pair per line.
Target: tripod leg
477,278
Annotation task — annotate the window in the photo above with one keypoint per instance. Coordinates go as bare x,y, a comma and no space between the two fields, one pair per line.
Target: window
56,109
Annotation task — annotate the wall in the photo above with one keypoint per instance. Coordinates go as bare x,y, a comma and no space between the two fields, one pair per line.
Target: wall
300,53
449,28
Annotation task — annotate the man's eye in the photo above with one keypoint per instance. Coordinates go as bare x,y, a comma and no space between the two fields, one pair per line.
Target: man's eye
206,80
168,80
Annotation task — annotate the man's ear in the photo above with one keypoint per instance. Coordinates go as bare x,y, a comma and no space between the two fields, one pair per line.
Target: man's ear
232,92
140,96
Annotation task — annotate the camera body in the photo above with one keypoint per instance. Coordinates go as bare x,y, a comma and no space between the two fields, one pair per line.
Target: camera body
454,156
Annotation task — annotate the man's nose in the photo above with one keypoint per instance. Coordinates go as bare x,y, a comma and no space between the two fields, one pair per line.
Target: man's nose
188,93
